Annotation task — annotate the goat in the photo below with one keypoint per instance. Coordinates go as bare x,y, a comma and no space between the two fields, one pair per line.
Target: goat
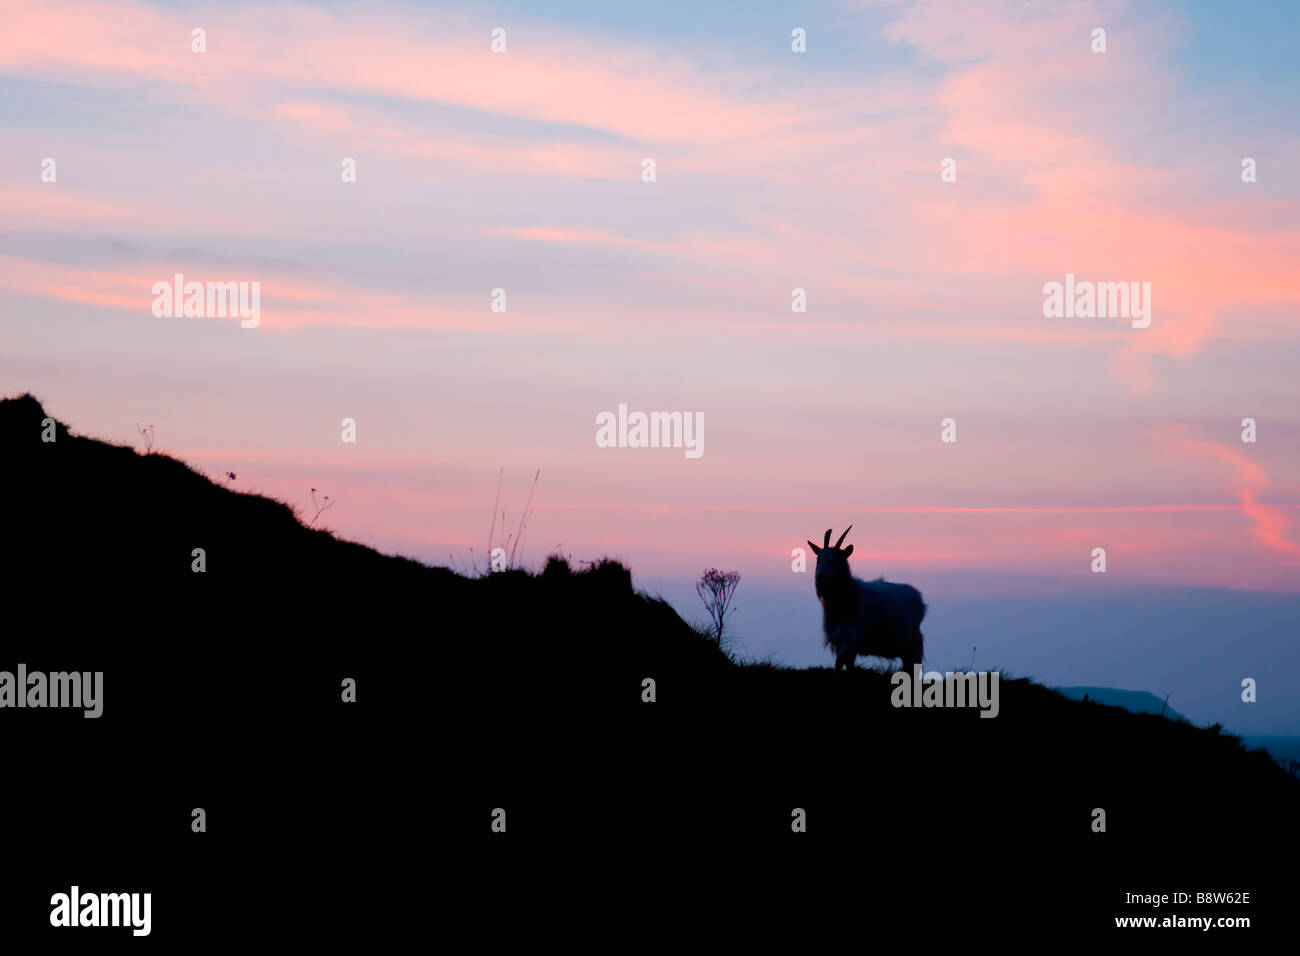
866,617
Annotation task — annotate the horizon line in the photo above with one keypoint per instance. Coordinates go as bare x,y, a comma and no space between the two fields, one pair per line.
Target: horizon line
915,509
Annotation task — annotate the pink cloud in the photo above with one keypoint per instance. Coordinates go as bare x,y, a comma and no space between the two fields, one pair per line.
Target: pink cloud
1020,105
1269,523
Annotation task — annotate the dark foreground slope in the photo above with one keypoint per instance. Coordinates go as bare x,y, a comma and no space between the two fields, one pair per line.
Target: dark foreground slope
524,692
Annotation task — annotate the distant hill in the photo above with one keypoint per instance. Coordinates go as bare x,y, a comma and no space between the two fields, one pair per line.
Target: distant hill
527,691
1134,701
1283,749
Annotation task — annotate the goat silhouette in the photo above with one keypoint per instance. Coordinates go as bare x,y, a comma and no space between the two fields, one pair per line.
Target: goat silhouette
866,617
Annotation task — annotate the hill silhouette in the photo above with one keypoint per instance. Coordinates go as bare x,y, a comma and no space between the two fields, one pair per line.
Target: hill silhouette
524,691
1136,701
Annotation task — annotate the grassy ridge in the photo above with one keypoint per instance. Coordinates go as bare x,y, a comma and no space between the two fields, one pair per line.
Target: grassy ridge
524,691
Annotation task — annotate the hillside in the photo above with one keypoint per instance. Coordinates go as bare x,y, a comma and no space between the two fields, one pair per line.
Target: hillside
1283,749
524,691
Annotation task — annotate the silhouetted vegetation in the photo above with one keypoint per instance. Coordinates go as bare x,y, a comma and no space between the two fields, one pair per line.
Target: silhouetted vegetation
530,685
716,589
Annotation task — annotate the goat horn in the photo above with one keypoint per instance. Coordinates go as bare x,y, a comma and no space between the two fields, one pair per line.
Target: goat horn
842,537
826,542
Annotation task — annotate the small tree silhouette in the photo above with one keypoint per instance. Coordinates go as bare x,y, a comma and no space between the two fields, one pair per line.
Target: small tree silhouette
716,589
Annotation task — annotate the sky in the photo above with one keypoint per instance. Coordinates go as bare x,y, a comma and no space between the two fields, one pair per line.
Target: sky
824,171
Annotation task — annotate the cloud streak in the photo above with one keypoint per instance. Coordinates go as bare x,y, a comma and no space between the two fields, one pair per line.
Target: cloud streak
1269,522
